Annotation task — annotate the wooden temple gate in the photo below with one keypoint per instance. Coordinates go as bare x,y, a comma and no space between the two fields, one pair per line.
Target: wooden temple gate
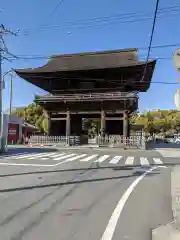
100,84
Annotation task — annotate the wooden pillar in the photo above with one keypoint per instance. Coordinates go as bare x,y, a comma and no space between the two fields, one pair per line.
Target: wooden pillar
125,124
103,123
68,124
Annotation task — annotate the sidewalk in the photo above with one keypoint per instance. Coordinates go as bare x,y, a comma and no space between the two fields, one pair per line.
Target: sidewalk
167,149
171,231
166,146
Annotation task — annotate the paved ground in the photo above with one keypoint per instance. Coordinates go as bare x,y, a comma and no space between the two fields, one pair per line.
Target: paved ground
113,195
49,157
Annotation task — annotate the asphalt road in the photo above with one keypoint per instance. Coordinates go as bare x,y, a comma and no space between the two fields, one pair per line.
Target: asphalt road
83,201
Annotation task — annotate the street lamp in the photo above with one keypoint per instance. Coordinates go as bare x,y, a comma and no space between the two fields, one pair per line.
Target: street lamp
11,90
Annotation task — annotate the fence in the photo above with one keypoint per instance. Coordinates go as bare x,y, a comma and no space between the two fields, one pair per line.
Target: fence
121,141
54,140
109,141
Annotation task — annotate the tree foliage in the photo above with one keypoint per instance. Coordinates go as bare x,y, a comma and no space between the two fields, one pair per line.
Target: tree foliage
161,121
33,114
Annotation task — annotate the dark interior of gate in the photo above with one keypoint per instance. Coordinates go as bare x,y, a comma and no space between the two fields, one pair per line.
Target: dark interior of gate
99,85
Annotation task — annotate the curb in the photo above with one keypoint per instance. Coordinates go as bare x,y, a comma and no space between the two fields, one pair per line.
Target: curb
166,232
175,193
167,149
171,231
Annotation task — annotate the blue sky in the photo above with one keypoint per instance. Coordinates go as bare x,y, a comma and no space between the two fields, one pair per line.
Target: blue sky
30,15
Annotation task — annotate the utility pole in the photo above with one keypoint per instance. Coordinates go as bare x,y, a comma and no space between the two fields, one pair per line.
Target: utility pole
11,93
1,85
3,50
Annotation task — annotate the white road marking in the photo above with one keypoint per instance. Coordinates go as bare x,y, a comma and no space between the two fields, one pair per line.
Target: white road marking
13,155
89,158
63,157
44,155
144,161
50,157
24,164
115,159
76,157
110,229
129,161
157,161
31,155
43,159
102,158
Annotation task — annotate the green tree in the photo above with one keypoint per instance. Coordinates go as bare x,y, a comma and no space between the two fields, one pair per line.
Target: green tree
33,114
161,121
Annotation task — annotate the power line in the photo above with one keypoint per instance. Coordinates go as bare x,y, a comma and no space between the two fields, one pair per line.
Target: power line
98,24
64,77
151,38
56,8
108,20
47,57
134,14
36,56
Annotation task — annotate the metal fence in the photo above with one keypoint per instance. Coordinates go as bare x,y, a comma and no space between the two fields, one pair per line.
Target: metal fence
121,141
109,141
54,140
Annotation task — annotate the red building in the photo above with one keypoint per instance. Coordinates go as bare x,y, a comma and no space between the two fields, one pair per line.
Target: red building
17,129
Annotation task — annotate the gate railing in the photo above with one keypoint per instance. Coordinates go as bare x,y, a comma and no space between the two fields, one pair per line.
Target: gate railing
121,141
110,141
53,140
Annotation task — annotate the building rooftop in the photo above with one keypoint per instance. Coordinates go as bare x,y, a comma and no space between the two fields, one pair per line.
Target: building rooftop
107,69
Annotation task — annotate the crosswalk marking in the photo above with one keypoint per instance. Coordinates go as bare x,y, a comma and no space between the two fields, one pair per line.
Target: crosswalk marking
45,155
65,156
144,161
48,157
76,157
129,161
14,155
51,157
34,155
89,158
28,155
115,159
102,158
157,161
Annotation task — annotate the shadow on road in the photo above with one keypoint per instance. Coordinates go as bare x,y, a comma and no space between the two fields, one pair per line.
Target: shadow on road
166,145
136,173
118,168
28,150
